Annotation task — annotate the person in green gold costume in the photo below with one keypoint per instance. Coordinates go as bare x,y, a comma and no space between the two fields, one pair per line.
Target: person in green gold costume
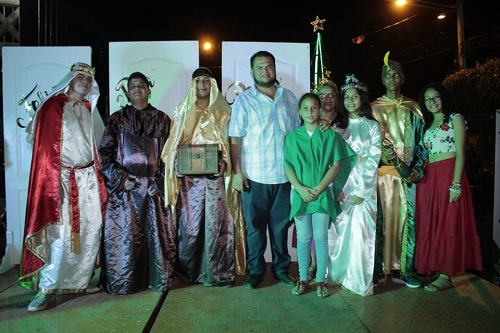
401,167
313,161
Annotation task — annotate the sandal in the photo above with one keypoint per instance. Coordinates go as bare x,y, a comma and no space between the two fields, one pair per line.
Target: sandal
300,288
322,290
442,282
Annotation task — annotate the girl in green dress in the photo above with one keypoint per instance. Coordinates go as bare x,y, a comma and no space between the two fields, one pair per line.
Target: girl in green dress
313,161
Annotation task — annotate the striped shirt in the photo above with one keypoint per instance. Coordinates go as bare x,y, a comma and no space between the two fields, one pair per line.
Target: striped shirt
262,124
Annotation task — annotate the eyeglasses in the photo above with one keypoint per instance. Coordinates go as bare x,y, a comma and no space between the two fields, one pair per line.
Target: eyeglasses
330,95
434,99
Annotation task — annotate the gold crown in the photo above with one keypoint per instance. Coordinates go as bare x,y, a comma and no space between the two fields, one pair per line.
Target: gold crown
84,68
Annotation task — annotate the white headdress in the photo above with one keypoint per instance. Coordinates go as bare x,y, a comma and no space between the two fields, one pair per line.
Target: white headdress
92,97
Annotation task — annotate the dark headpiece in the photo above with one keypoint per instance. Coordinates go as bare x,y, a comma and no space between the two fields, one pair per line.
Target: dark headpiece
202,71
395,66
392,65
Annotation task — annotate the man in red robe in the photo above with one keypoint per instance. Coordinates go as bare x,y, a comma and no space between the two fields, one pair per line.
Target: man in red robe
66,193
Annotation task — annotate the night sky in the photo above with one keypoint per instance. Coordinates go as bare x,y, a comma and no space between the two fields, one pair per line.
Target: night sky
424,45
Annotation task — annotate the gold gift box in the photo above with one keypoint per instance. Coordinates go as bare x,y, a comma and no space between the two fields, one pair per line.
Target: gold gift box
197,160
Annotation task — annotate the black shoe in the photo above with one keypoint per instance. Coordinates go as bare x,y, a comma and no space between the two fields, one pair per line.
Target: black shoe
378,279
253,281
412,282
285,278
409,280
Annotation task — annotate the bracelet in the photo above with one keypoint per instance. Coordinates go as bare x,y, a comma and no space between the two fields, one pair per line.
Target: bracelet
456,188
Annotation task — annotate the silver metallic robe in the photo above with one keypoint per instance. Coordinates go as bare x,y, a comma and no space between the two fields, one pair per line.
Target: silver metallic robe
351,238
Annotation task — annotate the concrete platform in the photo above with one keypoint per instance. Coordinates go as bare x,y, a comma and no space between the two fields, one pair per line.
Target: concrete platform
472,306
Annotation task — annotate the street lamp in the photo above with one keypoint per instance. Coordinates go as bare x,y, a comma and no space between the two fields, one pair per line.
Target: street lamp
459,9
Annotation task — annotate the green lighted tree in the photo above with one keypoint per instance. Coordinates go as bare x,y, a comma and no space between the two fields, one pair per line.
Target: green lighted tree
319,64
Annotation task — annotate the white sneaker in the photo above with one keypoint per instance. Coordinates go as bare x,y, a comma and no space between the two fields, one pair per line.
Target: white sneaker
396,277
41,301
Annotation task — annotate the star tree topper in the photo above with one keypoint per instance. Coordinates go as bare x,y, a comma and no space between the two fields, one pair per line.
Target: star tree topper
318,24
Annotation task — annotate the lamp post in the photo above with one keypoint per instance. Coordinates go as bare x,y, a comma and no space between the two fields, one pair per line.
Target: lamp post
459,9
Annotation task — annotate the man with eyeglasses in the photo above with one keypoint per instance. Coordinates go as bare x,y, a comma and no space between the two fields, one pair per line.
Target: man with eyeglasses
401,167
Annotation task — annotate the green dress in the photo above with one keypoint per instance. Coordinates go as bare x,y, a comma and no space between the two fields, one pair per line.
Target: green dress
310,157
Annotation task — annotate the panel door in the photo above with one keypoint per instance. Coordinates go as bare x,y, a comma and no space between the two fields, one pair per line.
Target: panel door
168,64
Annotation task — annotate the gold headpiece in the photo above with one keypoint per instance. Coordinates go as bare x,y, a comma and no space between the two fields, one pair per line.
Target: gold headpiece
386,59
391,65
84,68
